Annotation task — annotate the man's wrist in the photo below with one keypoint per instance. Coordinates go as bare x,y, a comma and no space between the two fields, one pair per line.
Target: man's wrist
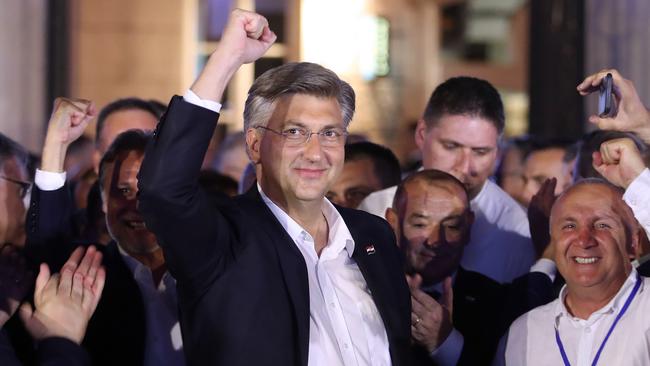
216,75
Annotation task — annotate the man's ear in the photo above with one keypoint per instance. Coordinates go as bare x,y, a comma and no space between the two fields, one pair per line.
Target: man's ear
420,133
253,142
638,244
393,221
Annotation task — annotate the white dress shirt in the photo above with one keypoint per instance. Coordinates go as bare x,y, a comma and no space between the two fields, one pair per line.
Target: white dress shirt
345,327
163,340
500,245
637,196
531,339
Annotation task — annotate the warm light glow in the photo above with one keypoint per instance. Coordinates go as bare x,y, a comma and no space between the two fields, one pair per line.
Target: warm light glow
332,33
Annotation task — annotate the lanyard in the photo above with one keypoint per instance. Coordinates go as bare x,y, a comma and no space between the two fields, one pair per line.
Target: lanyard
609,332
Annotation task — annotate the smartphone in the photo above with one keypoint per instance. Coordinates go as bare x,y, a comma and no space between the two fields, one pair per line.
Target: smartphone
605,97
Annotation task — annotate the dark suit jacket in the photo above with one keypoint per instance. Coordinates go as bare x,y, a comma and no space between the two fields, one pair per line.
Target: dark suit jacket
484,309
242,282
115,334
50,352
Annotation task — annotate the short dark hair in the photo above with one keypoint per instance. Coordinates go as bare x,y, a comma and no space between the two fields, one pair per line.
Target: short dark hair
130,140
430,176
385,164
11,149
125,104
539,144
465,95
591,142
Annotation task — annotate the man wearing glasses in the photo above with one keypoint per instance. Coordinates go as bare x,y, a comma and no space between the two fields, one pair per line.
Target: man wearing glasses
278,276
13,190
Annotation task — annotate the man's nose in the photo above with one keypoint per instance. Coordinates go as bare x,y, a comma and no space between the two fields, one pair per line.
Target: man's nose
312,148
434,237
585,237
465,163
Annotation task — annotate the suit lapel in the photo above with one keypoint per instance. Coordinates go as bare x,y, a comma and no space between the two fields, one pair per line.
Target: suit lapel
292,264
368,256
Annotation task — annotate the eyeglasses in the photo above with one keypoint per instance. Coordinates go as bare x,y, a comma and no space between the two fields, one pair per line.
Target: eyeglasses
24,186
296,136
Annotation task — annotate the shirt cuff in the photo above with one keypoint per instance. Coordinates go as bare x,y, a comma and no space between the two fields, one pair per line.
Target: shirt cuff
636,196
49,181
448,353
545,266
191,97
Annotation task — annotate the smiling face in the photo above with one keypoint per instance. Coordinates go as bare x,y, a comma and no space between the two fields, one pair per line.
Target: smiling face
124,222
297,174
435,225
595,237
464,146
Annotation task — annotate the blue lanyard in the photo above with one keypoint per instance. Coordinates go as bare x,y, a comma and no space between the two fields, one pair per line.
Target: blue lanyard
602,345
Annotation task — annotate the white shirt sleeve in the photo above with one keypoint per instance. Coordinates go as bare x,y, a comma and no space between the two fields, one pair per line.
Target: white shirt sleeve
49,181
545,266
449,351
637,197
191,97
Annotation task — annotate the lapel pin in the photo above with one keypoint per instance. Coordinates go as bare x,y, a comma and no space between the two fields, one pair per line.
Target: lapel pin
370,249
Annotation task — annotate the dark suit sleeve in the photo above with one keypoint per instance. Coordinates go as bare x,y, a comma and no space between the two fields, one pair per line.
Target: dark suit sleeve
7,354
49,227
192,233
525,293
61,352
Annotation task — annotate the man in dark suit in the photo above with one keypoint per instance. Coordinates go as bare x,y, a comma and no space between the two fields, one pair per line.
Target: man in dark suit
278,276
138,312
432,219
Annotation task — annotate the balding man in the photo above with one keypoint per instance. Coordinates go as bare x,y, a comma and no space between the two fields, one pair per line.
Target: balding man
601,313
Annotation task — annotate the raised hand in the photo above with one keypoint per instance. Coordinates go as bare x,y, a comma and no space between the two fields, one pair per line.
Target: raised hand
631,115
15,282
539,213
619,161
65,302
245,39
68,121
431,322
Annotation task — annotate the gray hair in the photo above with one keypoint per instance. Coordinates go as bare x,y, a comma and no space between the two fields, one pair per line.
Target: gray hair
295,78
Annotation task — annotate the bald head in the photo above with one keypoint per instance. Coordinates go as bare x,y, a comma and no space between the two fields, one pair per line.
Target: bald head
430,177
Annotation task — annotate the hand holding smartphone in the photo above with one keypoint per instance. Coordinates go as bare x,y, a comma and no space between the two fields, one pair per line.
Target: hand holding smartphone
606,106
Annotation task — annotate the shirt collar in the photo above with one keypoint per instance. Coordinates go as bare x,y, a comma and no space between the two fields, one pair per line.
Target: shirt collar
141,273
613,306
339,234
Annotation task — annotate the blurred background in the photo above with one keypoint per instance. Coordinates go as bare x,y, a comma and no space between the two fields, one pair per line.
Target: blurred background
393,52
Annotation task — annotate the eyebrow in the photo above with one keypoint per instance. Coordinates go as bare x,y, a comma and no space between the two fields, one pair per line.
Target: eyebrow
448,141
303,125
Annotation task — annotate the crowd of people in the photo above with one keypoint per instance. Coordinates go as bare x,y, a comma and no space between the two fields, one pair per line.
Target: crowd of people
293,243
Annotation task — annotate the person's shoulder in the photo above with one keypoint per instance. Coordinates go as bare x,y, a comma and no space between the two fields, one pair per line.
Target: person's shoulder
359,217
501,208
377,202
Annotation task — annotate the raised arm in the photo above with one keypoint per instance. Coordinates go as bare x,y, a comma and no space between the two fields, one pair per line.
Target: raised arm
49,219
631,115
194,235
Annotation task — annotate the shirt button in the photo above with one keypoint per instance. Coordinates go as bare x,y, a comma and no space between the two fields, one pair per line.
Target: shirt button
346,346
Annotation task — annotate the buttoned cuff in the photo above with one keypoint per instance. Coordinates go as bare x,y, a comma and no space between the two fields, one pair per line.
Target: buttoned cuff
448,353
191,97
545,266
49,181
637,197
